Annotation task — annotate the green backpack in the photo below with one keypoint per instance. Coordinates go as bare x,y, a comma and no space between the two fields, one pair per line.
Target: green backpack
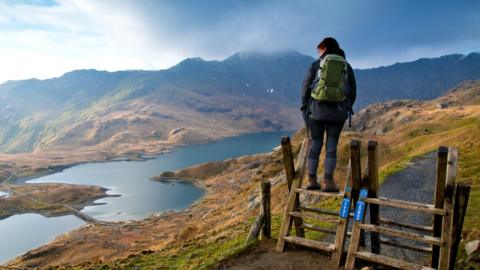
331,79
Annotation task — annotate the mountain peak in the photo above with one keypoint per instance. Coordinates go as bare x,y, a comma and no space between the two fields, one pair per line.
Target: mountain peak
248,55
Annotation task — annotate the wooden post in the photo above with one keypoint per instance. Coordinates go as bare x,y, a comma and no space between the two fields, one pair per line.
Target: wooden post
288,160
448,207
265,209
365,184
356,171
290,175
255,229
440,181
342,227
355,184
462,192
373,193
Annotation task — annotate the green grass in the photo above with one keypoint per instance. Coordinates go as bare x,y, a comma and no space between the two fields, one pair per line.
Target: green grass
191,255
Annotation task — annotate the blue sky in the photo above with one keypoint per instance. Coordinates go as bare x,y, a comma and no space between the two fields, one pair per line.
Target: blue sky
46,38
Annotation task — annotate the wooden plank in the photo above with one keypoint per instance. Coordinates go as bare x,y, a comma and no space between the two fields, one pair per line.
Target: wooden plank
319,193
441,176
342,227
356,177
320,211
371,257
292,197
408,205
444,256
353,247
318,229
355,182
290,175
265,208
255,229
324,246
365,185
404,234
392,243
462,193
373,193
304,215
406,225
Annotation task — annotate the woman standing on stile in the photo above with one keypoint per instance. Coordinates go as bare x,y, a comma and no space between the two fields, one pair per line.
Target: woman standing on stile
328,94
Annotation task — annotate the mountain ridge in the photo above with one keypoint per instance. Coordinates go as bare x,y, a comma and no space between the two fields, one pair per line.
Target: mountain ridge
237,55
243,93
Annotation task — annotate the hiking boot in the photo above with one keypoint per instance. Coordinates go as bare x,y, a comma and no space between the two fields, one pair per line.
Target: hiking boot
328,185
313,183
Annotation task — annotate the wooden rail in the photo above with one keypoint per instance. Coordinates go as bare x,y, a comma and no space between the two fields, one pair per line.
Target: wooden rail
407,205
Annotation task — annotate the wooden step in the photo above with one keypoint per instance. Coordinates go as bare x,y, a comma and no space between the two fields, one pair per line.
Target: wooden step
418,248
406,225
318,229
304,215
320,193
310,243
320,211
414,206
371,257
404,234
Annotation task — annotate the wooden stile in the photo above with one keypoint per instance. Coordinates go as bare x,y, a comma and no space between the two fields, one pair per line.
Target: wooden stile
297,211
441,239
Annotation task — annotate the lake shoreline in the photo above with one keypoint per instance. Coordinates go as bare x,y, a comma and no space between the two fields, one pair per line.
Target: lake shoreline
130,157
202,184
50,199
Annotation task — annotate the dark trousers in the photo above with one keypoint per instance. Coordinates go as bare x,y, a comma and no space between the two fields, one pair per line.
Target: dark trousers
317,130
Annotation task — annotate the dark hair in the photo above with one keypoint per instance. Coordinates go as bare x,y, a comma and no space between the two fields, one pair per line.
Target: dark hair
328,43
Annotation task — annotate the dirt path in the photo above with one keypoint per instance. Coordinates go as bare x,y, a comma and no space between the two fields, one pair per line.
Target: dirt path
264,256
415,183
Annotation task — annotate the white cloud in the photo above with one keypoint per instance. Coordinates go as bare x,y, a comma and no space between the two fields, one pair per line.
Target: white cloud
45,42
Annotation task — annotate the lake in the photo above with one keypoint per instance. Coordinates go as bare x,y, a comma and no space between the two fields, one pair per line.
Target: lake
140,196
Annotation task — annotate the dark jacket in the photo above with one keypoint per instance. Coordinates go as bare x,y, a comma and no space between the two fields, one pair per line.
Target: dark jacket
321,111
